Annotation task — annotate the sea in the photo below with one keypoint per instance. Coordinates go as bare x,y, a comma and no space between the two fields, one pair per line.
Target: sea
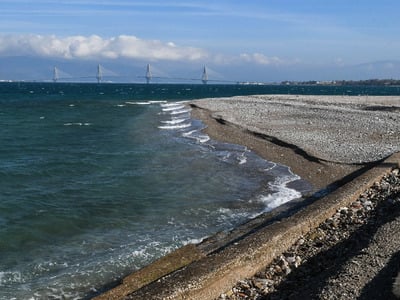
98,180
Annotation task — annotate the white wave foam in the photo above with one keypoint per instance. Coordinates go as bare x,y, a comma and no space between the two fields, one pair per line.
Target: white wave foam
283,193
10,277
77,124
172,108
189,133
203,138
174,121
171,104
144,102
168,104
194,241
225,211
195,135
272,166
178,126
140,253
180,111
242,159
138,103
199,138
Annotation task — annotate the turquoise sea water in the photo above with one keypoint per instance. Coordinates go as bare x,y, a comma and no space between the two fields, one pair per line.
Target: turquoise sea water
99,180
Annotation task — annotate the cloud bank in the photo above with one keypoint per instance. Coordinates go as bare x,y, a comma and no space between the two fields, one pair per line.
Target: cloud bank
125,47
95,47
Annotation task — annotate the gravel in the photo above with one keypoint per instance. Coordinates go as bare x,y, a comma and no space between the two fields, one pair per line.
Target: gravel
355,254
340,129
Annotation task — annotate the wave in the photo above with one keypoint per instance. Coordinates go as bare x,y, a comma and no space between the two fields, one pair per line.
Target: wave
175,108
145,102
169,104
178,126
202,138
279,192
172,108
194,241
282,194
10,277
77,124
242,159
187,134
197,136
174,121
180,111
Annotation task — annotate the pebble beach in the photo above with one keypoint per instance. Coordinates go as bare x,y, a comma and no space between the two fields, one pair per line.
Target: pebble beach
354,254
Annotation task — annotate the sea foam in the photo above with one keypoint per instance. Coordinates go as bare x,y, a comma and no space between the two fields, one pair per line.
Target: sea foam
180,111
178,126
174,121
172,108
144,102
281,193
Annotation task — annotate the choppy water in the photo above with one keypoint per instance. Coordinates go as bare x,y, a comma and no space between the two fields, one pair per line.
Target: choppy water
99,180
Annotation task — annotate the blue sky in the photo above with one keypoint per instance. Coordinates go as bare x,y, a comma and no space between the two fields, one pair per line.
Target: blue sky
243,40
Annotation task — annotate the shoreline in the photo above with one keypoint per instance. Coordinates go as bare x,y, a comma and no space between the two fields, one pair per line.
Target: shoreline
322,139
201,274
319,173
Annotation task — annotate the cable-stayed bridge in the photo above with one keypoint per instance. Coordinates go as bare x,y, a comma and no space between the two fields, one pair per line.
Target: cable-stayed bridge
105,75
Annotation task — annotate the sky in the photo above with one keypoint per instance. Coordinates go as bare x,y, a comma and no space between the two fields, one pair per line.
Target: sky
255,40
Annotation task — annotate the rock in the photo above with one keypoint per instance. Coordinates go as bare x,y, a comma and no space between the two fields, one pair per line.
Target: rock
298,261
262,284
291,259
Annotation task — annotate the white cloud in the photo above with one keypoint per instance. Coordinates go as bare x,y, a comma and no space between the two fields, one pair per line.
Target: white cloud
125,47
93,47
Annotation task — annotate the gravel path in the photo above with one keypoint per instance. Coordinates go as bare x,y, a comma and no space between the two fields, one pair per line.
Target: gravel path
365,128
355,254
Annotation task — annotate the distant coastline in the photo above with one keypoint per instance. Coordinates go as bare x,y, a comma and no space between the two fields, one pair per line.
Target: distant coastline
360,83
368,82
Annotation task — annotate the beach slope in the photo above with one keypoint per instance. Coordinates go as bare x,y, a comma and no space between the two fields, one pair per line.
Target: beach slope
322,138
341,145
